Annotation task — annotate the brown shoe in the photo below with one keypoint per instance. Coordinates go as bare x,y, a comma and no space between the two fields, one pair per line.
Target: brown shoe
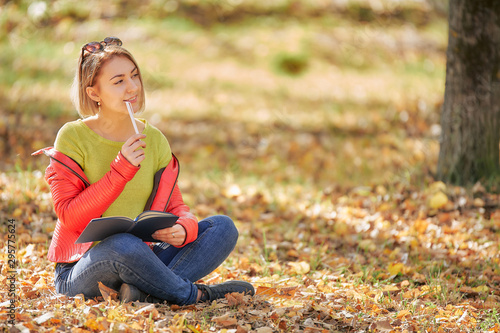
130,293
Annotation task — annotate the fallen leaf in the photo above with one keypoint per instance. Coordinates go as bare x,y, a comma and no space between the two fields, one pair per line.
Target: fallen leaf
288,292
21,328
383,325
99,324
396,268
438,200
437,186
300,268
403,313
135,325
43,318
462,317
264,330
478,202
481,289
107,293
41,284
234,299
390,288
225,320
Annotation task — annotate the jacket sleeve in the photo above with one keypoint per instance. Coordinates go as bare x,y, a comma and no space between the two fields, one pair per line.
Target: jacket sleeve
75,205
186,218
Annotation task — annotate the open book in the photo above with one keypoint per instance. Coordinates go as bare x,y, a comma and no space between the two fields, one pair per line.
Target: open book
143,226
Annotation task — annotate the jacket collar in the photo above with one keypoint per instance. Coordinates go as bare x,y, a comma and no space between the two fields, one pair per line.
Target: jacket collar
63,160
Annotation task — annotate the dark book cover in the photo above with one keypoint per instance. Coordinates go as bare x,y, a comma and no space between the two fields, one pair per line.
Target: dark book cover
142,226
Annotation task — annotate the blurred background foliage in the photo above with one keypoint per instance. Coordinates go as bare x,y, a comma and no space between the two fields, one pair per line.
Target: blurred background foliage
315,93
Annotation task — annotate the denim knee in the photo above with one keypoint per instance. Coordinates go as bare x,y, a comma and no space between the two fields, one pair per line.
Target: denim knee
126,245
226,224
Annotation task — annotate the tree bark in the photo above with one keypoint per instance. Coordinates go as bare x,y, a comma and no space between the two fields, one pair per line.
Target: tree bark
470,119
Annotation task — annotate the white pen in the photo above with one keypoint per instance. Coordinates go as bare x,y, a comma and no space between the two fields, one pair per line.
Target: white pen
131,113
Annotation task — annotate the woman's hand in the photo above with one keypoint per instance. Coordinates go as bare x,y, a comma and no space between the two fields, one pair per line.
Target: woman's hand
175,235
133,149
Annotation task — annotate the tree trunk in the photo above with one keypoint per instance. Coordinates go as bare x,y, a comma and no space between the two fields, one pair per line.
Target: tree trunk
470,119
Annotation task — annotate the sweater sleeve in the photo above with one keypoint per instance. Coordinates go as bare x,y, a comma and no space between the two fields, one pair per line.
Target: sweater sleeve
76,206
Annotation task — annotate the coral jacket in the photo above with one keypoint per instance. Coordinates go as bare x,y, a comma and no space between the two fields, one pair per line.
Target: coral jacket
76,201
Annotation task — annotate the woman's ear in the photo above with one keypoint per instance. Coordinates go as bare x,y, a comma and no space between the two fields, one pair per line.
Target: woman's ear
92,93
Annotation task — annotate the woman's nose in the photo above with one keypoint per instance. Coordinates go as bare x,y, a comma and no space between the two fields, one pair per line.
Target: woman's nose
132,86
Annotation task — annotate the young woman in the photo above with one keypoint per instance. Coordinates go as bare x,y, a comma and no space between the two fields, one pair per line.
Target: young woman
101,167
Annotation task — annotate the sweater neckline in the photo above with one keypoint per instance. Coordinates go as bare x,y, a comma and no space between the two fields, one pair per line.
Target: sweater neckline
108,141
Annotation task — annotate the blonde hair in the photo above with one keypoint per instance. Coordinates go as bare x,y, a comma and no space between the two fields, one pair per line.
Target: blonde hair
89,66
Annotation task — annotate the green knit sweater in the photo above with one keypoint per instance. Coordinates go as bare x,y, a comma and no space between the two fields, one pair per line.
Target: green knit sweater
95,154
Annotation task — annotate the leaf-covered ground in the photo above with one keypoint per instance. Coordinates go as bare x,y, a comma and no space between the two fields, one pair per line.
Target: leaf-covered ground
313,124
372,259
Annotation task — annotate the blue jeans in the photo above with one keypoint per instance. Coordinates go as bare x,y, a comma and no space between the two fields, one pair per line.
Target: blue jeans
166,272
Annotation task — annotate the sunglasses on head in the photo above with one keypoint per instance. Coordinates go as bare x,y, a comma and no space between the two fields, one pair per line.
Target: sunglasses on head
94,47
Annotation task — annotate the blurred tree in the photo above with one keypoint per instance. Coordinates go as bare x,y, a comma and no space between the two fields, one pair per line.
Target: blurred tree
470,119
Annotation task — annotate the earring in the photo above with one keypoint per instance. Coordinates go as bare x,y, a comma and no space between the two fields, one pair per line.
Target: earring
99,105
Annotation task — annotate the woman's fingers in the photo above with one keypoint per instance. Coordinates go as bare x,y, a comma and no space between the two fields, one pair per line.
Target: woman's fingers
175,235
132,151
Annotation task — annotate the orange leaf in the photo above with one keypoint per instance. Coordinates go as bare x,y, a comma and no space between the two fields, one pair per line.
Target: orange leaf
41,284
99,324
107,292
288,292
235,299
402,314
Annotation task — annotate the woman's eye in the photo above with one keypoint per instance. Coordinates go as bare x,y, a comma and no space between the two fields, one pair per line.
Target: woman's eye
118,82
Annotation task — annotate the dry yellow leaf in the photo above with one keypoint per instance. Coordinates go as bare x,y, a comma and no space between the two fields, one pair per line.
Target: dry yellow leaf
341,229
438,200
300,268
367,245
409,294
396,268
478,202
481,289
437,186
17,212
115,314
384,207
403,313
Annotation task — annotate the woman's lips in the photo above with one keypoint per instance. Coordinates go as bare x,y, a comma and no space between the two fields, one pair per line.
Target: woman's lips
132,100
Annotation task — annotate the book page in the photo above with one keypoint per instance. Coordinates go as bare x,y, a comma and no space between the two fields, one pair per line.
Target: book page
152,213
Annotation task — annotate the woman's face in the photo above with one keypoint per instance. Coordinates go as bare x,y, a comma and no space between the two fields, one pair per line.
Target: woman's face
117,82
